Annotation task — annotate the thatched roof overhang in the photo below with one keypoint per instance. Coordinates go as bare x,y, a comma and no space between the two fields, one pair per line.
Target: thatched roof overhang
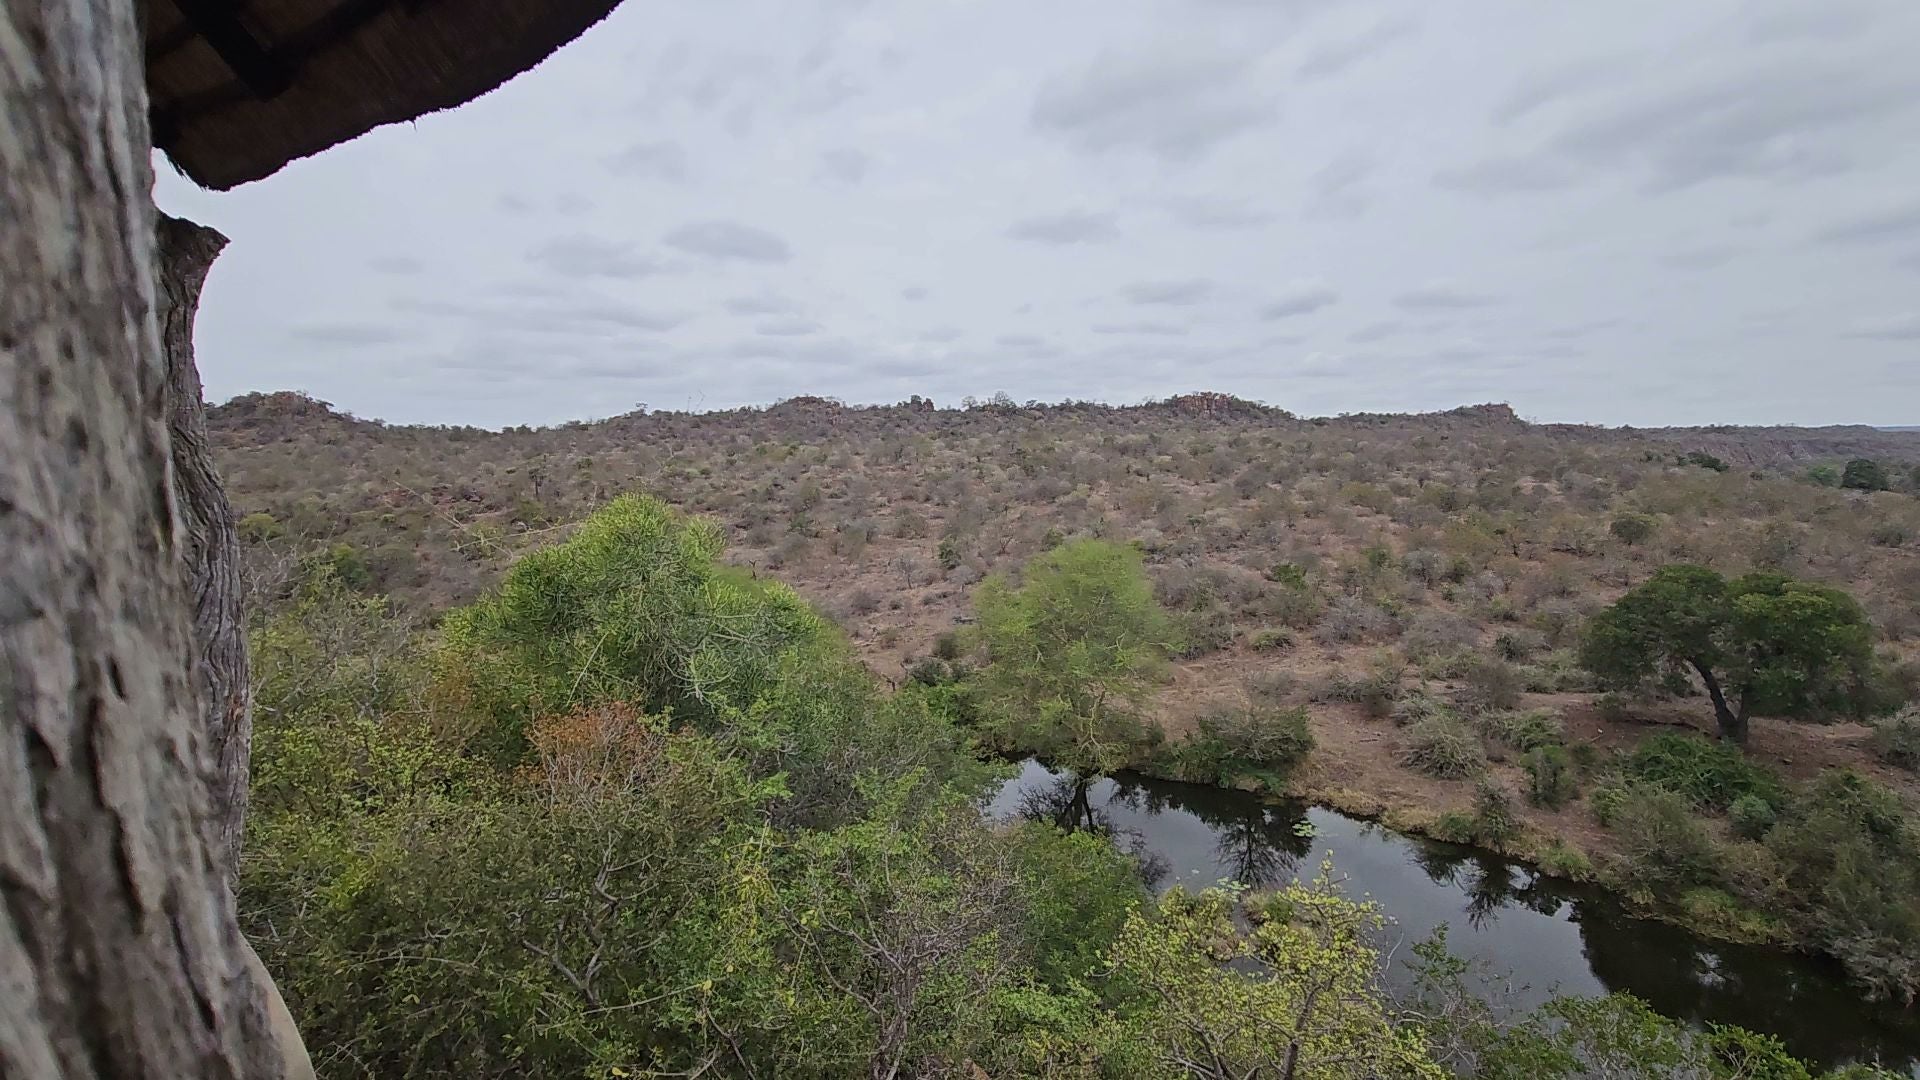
239,88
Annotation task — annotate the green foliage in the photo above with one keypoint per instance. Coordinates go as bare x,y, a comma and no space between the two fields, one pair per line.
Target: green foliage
1302,990
1631,529
1663,844
1703,460
1851,853
1442,747
1072,654
1777,646
1621,1036
1076,891
1524,730
259,527
1563,860
1896,740
1709,775
1291,575
1864,474
1495,823
633,607
1551,781
1751,816
1824,475
1252,739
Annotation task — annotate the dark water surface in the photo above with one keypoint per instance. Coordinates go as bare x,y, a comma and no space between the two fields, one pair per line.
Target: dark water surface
1542,936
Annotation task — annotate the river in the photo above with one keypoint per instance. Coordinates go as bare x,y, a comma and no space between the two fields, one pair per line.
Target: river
1535,936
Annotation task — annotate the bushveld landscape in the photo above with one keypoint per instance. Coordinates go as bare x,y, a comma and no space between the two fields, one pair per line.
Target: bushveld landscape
1452,622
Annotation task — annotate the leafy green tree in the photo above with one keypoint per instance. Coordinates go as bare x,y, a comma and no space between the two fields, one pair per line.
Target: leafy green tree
1072,654
1295,995
1631,529
1824,475
634,607
1762,644
1864,474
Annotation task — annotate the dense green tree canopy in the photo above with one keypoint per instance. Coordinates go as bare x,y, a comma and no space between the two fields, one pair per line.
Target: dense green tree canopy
1072,652
1762,644
1864,474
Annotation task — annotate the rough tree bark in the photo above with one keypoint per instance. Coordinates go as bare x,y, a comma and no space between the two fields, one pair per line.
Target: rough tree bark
119,952
211,545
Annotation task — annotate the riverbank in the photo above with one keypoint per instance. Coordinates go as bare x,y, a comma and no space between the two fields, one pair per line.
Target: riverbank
1355,767
1528,936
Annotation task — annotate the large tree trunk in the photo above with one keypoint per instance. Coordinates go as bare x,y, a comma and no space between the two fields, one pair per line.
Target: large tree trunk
119,952
211,546
1733,725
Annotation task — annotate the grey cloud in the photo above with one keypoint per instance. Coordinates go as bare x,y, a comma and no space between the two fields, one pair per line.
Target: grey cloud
763,304
1779,120
1151,329
1898,328
1575,331
913,292
1541,88
1338,188
1892,223
1174,101
786,327
1378,331
1205,213
572,204
1072,227
1509,175
1440,296
1186,291
1302,300
581,256
941,334
845,164
1704,257
826,93
510,203
665,160
398,264
1020,341
1800,22
1330,60
728,240
347,333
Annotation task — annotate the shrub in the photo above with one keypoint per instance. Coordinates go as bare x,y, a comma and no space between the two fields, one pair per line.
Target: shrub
1605,802
1519,643
1751,816
1418,706
1269,687
1491,683
1896,740
1443,747
1663,845
1291,575
1255,738
1375,691
1270,638
1203,631
1864,474
1352,620
1494,820
1709,775
1851,852
1525,730
1564,861
1550,777
1433,634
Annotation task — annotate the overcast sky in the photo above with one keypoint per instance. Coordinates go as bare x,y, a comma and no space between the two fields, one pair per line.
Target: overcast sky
1634,212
